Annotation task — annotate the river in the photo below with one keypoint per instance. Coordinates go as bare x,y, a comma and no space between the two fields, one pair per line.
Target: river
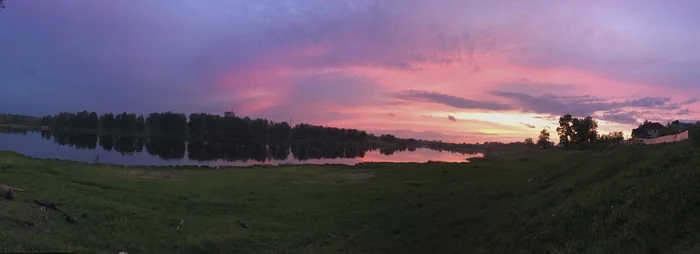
138,151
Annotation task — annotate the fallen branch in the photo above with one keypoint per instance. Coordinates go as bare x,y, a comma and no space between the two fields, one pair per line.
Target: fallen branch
8,188
52,206
242,224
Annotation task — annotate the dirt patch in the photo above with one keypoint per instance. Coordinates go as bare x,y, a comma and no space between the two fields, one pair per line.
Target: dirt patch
145,174
341,179
24,216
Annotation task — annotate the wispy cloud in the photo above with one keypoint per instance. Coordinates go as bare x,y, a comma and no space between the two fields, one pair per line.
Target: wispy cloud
449,100
529,125
619,117
690,101
683,112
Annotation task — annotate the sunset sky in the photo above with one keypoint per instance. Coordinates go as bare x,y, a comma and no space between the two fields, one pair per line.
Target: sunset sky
455,70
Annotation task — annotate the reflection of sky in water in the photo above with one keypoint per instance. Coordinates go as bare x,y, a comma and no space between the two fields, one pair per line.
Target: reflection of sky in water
32,144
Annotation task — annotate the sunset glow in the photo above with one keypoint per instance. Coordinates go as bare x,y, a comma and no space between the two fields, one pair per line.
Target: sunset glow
459,71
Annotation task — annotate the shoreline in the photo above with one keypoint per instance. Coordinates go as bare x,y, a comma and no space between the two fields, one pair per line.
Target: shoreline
192,166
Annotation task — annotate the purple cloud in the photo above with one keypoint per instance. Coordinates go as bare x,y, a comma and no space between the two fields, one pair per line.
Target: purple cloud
684,112
580,106
308,55
619,117
449,100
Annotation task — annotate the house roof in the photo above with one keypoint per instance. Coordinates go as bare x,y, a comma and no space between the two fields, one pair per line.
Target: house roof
651,126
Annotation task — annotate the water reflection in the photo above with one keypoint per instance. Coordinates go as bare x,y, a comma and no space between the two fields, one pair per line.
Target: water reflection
163,151
166,149
77,140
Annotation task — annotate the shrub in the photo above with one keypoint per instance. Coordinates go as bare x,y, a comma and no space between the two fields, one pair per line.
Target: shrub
694,134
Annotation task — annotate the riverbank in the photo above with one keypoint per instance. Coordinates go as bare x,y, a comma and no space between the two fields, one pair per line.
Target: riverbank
628,199
25,127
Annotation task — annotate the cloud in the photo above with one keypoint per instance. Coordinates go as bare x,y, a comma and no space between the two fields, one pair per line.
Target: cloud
684,112
449,100
451,118
331,61
690,101
547,117
580,106
437,135
619,117
529,125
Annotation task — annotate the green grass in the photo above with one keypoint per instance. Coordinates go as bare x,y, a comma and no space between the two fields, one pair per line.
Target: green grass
619,200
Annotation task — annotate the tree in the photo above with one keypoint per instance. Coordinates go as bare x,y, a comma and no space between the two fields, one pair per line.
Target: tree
543,140
694,133
141,123
126,122
565,131
2,5
612,137
577,132
93,121
529,142
671,128
585,131
107,121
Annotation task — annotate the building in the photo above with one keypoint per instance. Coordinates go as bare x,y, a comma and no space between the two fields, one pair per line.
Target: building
648,130
684,126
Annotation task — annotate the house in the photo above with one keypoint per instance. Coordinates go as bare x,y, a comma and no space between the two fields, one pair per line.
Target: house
684,126
648,130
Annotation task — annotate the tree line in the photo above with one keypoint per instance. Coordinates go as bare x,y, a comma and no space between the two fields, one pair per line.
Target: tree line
14,119
203,126
576,133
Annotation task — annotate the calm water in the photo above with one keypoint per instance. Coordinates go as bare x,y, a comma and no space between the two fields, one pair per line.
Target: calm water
138,151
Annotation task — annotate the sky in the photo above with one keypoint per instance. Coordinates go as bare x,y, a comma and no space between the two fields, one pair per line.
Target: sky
452,70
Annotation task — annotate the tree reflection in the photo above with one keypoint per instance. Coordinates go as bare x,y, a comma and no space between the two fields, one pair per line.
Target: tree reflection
387,151
46,135
166,148
326,151
22,131
107,142
209,150
77,140
128,145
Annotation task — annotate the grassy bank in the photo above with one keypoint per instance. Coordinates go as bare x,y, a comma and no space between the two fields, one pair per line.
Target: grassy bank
25,127
619,200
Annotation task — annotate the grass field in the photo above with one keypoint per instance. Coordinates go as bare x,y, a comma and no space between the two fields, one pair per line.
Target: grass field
618,200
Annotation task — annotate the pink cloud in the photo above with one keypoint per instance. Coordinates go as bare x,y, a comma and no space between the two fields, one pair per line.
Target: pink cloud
348,69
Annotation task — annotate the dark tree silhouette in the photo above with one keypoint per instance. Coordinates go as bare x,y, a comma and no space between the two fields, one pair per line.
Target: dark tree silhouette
543,140
107,121
577,132
566,131
20,119
612,137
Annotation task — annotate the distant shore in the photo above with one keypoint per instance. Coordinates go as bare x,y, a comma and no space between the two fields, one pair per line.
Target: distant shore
25,127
